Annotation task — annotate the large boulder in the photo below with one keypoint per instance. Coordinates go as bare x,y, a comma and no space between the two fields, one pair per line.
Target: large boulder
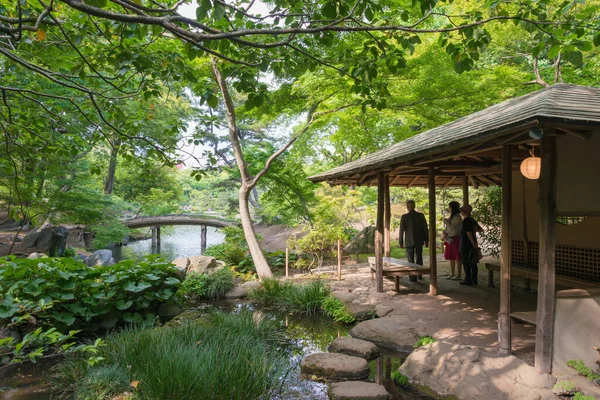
362,242
100,258
357,390
51,240
334,366
354,347
393,333
466,372
196,264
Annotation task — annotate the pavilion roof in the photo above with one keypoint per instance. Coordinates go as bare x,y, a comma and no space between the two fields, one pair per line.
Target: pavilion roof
569,106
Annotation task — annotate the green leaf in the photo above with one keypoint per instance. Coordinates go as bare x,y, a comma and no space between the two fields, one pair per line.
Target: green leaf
597,39
172,281
123,305
212,101
574,57
219,11
203,9
329,10
553,52
136,287
65,317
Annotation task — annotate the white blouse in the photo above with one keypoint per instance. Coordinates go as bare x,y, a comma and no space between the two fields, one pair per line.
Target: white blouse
453,226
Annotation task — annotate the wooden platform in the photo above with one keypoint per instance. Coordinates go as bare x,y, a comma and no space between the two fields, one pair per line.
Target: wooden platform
529,274
396,267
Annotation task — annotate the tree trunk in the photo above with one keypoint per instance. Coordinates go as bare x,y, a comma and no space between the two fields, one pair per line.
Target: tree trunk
260,262
112,165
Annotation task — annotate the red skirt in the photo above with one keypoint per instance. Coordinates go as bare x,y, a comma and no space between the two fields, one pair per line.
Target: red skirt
452,250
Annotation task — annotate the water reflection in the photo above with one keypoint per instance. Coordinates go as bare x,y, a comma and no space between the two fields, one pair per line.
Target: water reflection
176,242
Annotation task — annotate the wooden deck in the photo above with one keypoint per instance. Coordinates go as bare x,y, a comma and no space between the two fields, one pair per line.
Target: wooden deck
396,267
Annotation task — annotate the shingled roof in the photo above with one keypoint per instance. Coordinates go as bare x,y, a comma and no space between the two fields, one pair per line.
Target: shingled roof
558,104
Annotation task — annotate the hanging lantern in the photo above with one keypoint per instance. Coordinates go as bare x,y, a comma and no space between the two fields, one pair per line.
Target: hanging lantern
530,167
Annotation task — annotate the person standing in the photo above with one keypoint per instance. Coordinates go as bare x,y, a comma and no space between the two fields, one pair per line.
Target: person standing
413,235
452,240
469,249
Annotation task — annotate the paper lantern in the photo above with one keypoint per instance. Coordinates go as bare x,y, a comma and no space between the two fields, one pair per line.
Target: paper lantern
530,167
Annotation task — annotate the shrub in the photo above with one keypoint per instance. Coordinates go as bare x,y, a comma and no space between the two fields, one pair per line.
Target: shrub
128,291
424,341
270,293
336,309
286,296
107,233
208,285
400,379
233,251
103,382
227,356
582,369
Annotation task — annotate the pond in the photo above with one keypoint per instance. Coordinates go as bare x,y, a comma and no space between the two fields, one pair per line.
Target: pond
305,335
176,242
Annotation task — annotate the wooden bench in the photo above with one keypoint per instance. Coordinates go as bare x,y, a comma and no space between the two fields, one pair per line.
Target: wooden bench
397,268
529,274
525,316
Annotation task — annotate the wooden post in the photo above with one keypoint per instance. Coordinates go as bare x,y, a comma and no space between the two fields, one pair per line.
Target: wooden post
287,262
504,332
203,229
432,233
465,190
339,259
379,232
387,218
158,236
154,237
547,272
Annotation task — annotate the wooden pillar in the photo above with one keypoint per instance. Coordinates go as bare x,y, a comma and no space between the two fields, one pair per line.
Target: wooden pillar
339,254
203,229
287,262
547,272
379,232
432,233
465,190
504,333
387,218
154,237
158,236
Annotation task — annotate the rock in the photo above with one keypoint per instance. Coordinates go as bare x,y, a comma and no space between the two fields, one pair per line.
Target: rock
51,240
251,285
81,256
466,372
100,258
354,347
236,293
565,388
182,263
36,255
361,311
346,297
389,332
11,332
168,310
31,239
199,264
362,242
382,310
334,366
356,390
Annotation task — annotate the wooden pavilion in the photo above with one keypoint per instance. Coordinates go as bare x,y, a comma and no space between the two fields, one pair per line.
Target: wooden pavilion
562,124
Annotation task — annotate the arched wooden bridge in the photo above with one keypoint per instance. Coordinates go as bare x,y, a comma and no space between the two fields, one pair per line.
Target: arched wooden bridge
156,222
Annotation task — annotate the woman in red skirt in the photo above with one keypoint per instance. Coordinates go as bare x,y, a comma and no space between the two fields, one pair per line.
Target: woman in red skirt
452,240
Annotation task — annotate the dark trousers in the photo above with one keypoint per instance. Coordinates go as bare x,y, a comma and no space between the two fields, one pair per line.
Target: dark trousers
471,269
411,252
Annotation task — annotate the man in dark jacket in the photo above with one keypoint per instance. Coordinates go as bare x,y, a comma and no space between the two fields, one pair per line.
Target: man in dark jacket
413,234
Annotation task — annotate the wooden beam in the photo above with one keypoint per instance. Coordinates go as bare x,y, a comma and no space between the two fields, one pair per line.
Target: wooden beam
363,178
465,187
547,261
396,179
432,234
474,182
504,332
412,181
379,232
387,218
452,178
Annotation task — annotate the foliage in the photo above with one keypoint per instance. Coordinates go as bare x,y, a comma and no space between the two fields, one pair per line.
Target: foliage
424,341
400,379
487,211
564,387
286,296
103,382
227,356
317,246
584,370
233,251
129,291
336,309
107,233
581,396
211,285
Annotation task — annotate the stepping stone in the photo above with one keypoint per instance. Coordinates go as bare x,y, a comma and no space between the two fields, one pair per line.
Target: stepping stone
357,391
395,333
334,366
354,347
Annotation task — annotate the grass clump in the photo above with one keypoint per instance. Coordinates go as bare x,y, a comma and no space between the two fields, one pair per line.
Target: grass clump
581,396
583,370
336,309
424,341
210,286
227,356
285,296
400,379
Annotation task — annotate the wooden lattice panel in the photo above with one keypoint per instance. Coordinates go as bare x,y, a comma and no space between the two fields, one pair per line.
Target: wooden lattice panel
575,262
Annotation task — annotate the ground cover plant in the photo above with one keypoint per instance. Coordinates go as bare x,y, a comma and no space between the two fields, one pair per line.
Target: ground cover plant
424,341
290,297
82,296
210,286
222,356
336,309
583,370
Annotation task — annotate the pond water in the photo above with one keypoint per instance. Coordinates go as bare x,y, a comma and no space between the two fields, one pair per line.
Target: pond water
176,242
306,335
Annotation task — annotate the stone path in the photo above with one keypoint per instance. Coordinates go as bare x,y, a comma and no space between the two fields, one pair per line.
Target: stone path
334,366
